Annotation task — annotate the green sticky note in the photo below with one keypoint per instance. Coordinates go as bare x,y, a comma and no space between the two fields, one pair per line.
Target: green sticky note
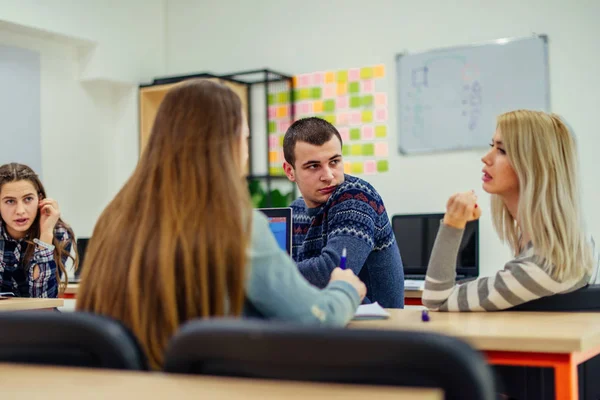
316,93
366,73
367,101
296,94
368,149
271,99
281,140
329,105
382,166
272,127
354,134
357,168
367,116
355,102
283,97
345,150
329,118
304,94
380,131
342,76
356,149
354,87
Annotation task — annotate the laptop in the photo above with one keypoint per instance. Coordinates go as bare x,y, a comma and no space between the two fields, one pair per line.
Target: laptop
415,236
280,222
81,247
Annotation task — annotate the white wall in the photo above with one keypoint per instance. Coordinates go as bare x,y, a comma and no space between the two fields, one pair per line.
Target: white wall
295,37
93,56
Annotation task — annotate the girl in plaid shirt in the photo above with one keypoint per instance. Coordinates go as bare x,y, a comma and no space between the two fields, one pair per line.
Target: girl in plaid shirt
34,242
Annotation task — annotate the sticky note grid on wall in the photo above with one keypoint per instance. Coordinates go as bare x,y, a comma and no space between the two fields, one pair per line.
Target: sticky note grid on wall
352,100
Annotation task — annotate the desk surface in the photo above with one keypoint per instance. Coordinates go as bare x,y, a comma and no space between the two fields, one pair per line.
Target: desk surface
21,303
549,332
72,288
77,383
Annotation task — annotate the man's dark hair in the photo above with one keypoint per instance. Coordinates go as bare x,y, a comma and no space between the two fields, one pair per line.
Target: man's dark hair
312,130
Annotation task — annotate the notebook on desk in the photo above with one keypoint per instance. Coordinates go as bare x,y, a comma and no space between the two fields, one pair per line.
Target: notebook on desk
280,222
415,236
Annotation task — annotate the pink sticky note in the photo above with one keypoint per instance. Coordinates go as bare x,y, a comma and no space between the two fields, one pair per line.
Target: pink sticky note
353,74
345,134
368,86
342,102
304,80
273,141
370,167
368,133
318,78
381,114
355,118
283,125
329,91
380,99
272,111
342,119
304,108
381,149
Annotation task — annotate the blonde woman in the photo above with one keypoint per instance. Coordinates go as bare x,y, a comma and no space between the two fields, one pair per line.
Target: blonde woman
531,173
180,240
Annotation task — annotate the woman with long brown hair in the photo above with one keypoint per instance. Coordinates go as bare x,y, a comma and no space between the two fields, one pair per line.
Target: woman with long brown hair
181,241
35,242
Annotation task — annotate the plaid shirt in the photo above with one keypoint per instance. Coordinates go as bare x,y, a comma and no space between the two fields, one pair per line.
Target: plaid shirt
16,278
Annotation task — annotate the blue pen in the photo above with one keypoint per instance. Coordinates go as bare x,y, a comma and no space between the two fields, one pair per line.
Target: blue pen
343,259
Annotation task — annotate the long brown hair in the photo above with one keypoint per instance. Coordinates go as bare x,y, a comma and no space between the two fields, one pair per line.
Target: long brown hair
18,172
172,244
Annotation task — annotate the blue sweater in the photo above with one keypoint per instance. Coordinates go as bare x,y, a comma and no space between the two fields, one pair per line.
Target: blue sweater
354,218
276,290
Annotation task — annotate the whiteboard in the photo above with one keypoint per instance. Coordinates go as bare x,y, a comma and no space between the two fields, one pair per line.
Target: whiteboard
449,99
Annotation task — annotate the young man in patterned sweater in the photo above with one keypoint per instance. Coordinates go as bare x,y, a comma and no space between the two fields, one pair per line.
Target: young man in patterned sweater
336,212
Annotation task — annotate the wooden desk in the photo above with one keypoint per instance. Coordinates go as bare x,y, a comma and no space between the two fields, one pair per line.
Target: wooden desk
413,297
535,339
77,383
21,303
71,291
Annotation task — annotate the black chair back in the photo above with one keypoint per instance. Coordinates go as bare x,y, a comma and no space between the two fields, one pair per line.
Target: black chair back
68,339
274,350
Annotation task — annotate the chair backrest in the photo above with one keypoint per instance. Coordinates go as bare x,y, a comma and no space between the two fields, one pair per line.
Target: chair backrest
276,350
586,299
68,339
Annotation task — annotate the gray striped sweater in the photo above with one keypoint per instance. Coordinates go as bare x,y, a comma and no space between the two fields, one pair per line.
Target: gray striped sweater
520,281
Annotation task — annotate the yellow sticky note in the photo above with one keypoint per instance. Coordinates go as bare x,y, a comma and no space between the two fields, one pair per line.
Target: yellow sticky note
281,140
329,118
273,156
357,168
329,77
295,81
380,131
347,168
366,73
318,106
342,76
342,88
356,150
282,111
379,71
367,116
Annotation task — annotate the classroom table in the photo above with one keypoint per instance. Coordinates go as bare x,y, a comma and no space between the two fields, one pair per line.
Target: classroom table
71,291
60,383
560,340
413,297
23,303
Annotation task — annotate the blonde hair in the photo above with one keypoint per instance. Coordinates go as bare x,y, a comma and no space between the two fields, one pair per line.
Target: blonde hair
542,152
172,244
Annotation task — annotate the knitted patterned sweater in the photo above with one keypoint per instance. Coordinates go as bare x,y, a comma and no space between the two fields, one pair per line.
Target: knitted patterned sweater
354,217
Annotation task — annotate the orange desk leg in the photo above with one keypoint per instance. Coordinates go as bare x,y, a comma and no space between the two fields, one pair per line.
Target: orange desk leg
410,301
566,383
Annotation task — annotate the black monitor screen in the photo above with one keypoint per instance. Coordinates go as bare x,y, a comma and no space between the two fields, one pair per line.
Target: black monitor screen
415,236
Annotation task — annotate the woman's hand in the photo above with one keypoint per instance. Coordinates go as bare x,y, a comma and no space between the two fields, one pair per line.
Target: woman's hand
460,209
49,215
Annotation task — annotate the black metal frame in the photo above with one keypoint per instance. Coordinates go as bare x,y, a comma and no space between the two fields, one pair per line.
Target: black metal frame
248,78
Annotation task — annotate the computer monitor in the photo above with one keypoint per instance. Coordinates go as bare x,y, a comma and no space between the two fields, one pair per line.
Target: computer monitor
280,222
415,236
